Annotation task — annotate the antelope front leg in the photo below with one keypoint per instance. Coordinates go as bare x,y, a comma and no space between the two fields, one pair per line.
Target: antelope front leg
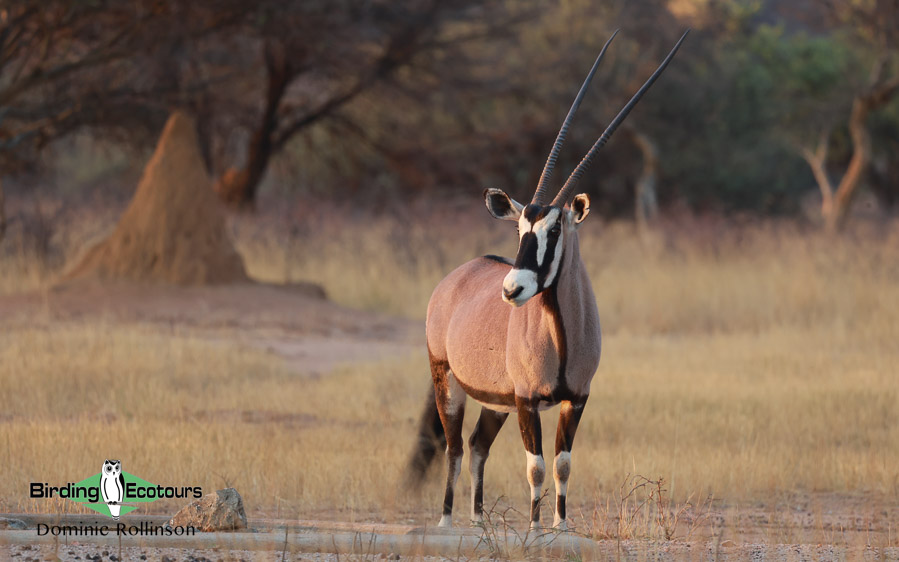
529,424
569,416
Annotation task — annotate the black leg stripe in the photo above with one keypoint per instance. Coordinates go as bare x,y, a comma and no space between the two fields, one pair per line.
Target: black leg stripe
448,502
560,506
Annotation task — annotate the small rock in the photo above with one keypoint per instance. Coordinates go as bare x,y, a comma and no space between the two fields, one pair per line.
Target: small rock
167,558
9,523
143,556
113,557
727,544
221,511
105,553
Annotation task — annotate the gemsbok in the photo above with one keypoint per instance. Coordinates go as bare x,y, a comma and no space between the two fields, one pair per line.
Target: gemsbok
541,351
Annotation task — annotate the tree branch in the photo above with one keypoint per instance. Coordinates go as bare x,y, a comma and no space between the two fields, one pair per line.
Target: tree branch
101,54
402,46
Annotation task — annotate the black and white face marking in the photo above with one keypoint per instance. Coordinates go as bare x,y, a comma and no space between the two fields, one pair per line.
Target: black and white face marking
540,233
540,241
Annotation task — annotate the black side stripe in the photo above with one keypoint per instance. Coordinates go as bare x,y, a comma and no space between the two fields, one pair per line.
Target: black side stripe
551,303
499,259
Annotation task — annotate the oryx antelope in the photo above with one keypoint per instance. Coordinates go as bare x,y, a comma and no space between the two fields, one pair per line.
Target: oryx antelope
541,351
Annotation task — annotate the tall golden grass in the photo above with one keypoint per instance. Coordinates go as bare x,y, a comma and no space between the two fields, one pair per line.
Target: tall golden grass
741,362
698,277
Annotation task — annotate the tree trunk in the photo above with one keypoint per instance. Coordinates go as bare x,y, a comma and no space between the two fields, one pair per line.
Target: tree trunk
646,203
817,161
2,214
238,188
835,215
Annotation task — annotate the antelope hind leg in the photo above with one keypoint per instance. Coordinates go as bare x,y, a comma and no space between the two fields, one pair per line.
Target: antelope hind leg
451,407
485,431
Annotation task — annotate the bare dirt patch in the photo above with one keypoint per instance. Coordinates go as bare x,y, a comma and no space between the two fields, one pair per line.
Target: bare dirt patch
295,321
269,539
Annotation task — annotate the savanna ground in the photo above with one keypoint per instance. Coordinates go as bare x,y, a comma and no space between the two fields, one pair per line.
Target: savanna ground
751,367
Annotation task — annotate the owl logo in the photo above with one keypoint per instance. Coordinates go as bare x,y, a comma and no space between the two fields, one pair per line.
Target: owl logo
112,486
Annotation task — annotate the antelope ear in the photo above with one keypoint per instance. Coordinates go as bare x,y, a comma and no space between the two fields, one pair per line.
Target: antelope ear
502,206
580,208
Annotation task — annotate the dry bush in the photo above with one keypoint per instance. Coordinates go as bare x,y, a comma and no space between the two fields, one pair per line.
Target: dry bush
641,508
43,235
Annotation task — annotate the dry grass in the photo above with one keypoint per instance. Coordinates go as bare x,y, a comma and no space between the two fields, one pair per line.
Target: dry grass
181,411
701,277
736,416
744,363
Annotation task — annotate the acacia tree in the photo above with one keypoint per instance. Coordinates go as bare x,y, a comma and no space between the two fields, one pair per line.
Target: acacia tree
493,108
835,200
875,23
43,47
119,69
67,65
317,58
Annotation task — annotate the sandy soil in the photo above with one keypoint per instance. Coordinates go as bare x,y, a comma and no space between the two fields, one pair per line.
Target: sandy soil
314,335
365,546
629,551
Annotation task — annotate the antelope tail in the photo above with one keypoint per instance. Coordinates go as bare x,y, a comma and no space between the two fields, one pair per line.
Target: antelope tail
429,442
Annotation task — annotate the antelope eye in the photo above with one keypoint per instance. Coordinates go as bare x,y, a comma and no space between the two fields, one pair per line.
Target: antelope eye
556,229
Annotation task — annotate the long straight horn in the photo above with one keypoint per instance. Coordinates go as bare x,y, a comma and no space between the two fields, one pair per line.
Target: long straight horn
565,193
563,132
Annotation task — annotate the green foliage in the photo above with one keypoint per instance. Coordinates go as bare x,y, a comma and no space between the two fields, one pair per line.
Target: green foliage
749,105
812,79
